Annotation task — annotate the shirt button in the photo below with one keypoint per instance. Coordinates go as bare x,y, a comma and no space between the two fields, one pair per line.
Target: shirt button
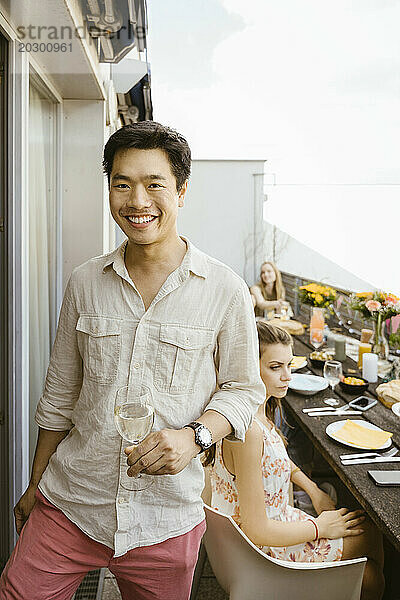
121,500
137,365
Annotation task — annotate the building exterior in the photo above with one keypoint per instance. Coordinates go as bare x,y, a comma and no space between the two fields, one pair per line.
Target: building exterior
223,212
224,215
71,72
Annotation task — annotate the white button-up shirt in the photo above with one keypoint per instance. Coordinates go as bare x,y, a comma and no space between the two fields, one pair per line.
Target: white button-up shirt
195,347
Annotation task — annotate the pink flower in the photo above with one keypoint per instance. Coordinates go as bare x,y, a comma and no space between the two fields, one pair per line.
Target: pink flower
373,305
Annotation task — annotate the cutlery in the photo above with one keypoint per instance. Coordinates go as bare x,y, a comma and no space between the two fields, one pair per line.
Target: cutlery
325,408
336,413
390,452
363,461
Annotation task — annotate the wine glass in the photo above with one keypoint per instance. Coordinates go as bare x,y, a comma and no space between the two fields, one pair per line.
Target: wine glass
284,315
333,373
134,418
317,337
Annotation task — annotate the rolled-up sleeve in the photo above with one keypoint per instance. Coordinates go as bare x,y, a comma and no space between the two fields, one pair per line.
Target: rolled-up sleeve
64,375
241,389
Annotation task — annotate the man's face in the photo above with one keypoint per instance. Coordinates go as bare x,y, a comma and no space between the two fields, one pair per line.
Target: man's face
143,197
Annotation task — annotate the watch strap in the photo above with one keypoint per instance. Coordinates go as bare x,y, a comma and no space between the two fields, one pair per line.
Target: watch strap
195,425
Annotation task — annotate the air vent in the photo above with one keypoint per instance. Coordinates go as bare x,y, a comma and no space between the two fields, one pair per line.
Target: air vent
91,587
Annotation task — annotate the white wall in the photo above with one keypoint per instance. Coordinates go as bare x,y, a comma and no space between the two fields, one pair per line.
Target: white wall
83,214
223,212
294,257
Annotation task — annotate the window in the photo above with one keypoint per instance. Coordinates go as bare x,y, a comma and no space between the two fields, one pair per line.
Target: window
4,416
42,239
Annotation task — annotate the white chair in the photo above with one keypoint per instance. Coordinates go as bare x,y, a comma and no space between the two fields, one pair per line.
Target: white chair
246,573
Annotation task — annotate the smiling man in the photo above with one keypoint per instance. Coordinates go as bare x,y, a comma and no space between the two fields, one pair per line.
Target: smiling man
154,314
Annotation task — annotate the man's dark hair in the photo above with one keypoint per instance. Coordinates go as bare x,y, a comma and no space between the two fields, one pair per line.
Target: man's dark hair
149,135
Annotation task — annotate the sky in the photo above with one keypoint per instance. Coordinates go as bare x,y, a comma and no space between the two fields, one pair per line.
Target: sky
312,87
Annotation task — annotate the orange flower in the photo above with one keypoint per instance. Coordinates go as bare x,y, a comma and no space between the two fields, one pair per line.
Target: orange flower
391,298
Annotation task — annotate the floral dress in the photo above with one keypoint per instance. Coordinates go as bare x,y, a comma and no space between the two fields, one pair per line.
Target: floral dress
276,472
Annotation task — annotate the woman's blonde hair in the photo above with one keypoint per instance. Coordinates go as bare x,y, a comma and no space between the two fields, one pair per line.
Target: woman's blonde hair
271,334
268,335
278,292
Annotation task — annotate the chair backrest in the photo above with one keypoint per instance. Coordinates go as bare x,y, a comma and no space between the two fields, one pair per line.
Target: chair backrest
246,573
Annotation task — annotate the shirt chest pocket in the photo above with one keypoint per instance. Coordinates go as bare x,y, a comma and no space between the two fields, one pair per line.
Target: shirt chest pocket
99,340
180,354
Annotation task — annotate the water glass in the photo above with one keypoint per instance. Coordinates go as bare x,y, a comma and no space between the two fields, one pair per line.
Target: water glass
333,372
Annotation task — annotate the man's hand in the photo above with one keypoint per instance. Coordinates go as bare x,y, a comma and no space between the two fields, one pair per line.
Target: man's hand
164,452
321,502
24,507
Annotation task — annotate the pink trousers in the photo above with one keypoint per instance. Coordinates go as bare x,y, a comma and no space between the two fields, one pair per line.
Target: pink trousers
53,555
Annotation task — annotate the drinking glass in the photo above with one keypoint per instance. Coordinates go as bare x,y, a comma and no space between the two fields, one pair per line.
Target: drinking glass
333,372
316,337
134,418
284,313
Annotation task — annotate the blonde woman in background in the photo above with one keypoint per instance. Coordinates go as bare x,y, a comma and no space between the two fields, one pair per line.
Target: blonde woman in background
269,292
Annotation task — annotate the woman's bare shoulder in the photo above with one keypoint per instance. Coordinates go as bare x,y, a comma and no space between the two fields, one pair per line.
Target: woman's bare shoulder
253,442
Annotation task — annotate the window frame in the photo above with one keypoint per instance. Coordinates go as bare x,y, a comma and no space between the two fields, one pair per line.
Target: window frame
21,67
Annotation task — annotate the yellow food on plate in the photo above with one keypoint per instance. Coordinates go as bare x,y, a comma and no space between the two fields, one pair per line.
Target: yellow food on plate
322,355
298,361
353,381
353,433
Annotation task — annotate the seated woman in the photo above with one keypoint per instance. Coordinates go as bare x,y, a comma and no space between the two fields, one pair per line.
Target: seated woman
250,481
269,292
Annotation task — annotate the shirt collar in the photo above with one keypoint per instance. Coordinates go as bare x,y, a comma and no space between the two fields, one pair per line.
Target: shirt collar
194,260
116,259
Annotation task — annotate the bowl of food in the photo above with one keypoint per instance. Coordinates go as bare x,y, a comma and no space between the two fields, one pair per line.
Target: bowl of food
319,357
353,385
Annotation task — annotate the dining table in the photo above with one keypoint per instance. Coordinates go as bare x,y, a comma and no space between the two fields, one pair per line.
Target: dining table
382,504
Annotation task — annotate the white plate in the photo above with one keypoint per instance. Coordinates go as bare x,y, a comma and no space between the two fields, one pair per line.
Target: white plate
396,409
333,427
308,385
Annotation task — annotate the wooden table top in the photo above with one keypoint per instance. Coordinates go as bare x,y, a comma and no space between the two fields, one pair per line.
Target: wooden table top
381,503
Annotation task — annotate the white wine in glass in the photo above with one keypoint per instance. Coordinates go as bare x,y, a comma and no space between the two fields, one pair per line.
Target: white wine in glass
134,418
134,421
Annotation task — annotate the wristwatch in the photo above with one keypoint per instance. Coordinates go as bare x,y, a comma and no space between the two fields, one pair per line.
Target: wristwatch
202,435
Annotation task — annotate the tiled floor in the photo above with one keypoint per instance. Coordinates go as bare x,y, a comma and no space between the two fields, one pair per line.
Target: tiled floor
209,589
110,589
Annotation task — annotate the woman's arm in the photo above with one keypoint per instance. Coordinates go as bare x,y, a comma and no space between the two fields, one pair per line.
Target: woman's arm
261,303
262,531
255,523
321,501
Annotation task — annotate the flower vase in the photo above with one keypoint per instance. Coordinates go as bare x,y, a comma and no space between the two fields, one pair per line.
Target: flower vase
380,345
317,320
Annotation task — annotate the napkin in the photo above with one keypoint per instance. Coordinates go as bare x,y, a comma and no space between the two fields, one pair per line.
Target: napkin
354,433
298,361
